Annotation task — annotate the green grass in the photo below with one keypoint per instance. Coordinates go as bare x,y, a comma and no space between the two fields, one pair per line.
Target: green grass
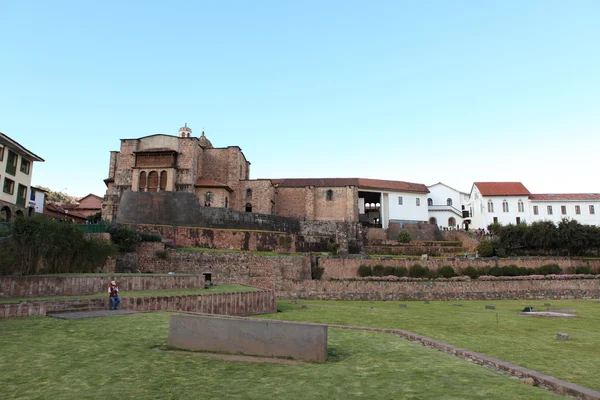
139,293
501,333
256,253
120,356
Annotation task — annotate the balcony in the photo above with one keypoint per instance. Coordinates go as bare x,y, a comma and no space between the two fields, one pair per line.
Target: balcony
434,208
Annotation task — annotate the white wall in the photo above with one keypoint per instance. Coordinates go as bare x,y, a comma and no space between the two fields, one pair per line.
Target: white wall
482,218
440,210
18,178
408,211
39,200
584,218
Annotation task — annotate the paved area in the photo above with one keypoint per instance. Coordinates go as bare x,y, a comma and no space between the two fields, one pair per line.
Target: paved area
90,314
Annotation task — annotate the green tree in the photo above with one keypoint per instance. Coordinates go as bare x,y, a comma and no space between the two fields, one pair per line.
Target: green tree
404,236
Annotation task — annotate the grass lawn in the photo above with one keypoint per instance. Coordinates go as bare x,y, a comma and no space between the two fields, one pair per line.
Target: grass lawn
501,333
139,293
120,357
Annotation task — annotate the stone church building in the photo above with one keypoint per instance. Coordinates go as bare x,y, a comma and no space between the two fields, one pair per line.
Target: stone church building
220,177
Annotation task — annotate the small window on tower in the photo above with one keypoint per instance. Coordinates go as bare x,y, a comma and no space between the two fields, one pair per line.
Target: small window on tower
329,194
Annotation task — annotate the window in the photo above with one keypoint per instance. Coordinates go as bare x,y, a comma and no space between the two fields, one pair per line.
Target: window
32,195
577,210
248,194
208,198
248,207
505,206
399,200
563,210
535,210
163,180
25,166
226,202
153,181
329,194
490,206
418,202
592,211
9,186
1,152
448,201
11,163
521,206
430,203
451,222
549,210
495,220
21,195
142,182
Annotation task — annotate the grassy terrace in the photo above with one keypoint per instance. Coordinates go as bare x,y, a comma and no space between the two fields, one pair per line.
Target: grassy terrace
500,333
139,293
45,358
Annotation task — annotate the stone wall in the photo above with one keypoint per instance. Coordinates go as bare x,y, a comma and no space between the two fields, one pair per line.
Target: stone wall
71,285
244,268
315,235
239,303
466,238
262,197
442,290
347,267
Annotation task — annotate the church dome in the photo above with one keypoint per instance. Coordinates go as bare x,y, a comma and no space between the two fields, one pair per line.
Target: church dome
204,142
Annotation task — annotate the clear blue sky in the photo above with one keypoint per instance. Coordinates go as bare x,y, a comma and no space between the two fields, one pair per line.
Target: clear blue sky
428,91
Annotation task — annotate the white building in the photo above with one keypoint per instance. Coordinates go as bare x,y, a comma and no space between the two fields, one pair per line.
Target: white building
16,169
37,199
501,202
447,206
583,207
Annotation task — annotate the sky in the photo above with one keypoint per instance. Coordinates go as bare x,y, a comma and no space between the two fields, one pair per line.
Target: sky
426,92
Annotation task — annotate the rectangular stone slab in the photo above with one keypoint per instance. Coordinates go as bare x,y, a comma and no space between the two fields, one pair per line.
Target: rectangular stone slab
265,338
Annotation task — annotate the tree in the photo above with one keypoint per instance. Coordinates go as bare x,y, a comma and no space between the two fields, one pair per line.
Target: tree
58,197
404,236
95,218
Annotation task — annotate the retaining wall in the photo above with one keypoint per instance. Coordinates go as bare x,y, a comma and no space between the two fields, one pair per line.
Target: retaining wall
442,290
238,304
67,285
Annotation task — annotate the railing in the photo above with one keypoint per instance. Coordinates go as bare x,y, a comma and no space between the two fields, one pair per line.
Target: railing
445,208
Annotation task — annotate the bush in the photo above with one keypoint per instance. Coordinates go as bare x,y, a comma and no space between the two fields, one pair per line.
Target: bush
495,271
471,272
316,272
149,237
404,236
126,239
510,270
333,248
446,272
285,242
418,271
365,270
400,271
378,270
388,271
583,269
549,269
485,248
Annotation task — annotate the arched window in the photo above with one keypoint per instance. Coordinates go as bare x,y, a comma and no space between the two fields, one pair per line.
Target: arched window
329,195
520,206
448,201
248,207
433,221
5,214
153,181
142,182
208,198
163,180
19,214
248,194
505,206
451,222
430,202
490,206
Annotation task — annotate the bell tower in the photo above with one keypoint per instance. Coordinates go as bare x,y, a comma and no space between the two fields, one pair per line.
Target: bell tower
185,132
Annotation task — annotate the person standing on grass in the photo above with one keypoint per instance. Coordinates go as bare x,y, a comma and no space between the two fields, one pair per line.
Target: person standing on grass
113,293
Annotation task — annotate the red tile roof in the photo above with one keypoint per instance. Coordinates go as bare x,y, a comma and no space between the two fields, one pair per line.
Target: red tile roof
358,182
502,188
565,196
207,183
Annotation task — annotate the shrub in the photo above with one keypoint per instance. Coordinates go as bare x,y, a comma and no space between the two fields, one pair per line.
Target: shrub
400,271
162,254
388,271
333,248
523,271
418,271
378,270
404,236
485,248
285,242
149,237
495,271
549,269
316,272
446,272
126,239
365,270
471,272
510,270
583,269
